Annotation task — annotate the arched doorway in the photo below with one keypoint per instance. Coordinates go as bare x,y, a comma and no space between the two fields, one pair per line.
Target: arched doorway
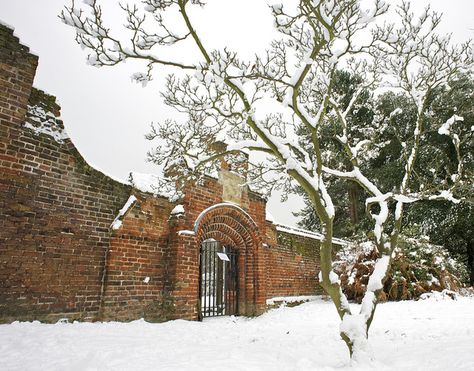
231,274
219,279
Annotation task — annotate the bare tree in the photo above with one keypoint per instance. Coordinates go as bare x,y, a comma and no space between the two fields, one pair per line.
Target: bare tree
222,97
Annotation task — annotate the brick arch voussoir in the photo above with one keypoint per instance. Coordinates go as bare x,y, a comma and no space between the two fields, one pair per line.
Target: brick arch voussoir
226,234
225,238
232,223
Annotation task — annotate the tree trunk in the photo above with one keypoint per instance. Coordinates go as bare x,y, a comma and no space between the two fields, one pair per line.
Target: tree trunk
358,338
470,261
353,193
333,289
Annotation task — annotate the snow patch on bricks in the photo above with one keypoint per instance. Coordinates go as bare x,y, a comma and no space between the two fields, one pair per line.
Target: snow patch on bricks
117,223
178,210
41,121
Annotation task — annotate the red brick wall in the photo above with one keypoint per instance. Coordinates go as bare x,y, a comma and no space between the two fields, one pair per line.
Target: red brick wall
139,249
59,256
229,225
55,211
292,264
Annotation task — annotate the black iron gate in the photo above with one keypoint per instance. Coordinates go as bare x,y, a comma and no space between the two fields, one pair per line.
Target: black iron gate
218,289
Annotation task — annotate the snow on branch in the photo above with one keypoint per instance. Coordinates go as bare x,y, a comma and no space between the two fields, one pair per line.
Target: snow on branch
285,118
105,49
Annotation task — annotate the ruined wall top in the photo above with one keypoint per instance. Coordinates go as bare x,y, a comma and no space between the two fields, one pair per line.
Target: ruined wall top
12,52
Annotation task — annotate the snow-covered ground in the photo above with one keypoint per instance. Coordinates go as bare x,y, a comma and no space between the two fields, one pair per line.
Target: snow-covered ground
424,335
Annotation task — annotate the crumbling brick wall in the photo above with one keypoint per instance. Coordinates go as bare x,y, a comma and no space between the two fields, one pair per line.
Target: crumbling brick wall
135,285
55,210
59,256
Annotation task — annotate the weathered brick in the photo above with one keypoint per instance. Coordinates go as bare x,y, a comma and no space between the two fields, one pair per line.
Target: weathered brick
59,257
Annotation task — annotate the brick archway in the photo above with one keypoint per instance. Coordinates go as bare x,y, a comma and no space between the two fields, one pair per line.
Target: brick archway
231,225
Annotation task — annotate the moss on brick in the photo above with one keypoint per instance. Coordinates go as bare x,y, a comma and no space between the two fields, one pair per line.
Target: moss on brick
59,258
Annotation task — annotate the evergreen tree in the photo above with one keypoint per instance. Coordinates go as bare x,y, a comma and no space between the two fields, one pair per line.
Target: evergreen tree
219,95
446,223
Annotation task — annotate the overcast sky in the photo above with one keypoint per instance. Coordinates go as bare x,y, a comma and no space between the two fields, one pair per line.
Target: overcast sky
107,116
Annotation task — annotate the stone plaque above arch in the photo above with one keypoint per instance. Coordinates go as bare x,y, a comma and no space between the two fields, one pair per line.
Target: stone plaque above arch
232,186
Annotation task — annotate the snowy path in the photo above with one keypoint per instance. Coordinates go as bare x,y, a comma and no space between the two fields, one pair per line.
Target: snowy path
423,335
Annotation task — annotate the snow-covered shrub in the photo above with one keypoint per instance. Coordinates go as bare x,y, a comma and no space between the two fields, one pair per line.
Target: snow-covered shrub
467,292
417,267
443,295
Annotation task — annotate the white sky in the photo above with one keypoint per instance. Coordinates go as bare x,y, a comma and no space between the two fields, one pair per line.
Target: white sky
107,116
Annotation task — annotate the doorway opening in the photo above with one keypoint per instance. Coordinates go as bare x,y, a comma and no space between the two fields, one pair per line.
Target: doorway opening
219,280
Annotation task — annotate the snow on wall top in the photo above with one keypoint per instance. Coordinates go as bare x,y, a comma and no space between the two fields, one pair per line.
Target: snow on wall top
5,24
269,217
226,204
305,233
178,209
154,184
43,118
23,46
